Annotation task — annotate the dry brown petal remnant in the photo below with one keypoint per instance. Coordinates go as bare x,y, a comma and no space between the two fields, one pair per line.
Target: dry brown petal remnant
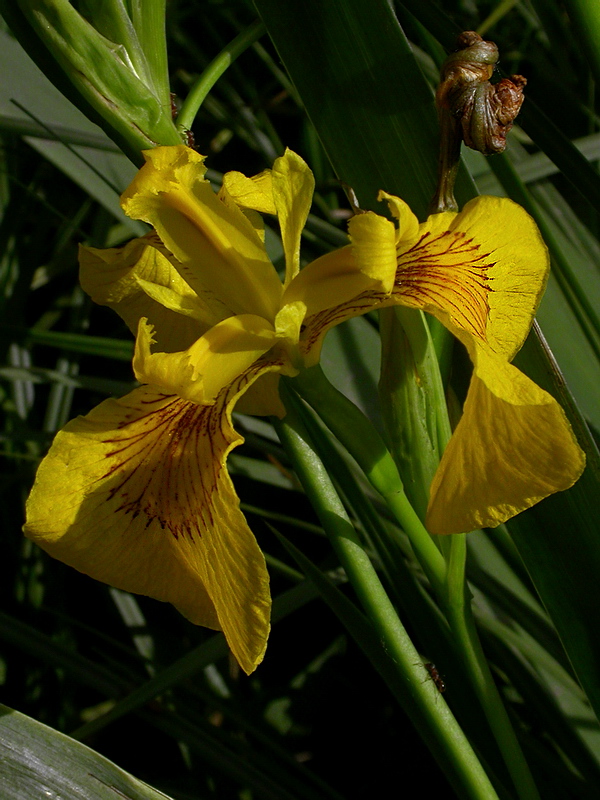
471,109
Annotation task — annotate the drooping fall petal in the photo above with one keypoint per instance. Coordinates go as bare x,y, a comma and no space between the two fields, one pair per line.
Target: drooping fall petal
512,447
482,272
136,494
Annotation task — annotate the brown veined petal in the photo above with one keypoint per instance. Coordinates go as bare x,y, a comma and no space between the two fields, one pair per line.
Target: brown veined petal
110,277
482,272
137,494
512,447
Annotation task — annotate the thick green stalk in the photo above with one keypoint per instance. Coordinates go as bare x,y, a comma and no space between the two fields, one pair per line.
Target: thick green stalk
102,72
423,699
366,446
213,72
148,18
460,617
413,402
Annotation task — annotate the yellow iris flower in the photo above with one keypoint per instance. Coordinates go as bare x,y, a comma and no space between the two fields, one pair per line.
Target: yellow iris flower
137,493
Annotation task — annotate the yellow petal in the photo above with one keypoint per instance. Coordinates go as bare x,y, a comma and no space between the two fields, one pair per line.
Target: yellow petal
136,494
112,278
333,289
344,283
288,322
408,224
512,447
217,358
187,304
374,247
255,193
329,281
293,186
217,247
482,272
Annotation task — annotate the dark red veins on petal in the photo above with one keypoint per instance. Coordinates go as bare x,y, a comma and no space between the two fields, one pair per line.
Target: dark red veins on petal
449,272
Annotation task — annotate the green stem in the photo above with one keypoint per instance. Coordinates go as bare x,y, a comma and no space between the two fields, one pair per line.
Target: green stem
366,446
434,716
448,163
213,72
460,617
413,402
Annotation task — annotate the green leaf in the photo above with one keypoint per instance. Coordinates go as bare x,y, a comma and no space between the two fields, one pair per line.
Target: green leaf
378,125
38,761
559,542
51,113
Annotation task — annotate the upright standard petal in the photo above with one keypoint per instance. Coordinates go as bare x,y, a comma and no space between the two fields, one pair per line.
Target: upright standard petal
215,246
255,193
293,186
346,282
137,494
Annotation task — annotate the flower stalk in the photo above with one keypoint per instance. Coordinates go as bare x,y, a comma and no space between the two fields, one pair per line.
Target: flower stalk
413,403
213,72
365,445
423,701
448,579
466,639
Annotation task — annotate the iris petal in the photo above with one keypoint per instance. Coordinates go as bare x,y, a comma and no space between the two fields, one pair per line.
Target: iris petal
481,272
374,247
136,494
293,186
512,447
215,246
199,373
330,281
255,193
111,278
